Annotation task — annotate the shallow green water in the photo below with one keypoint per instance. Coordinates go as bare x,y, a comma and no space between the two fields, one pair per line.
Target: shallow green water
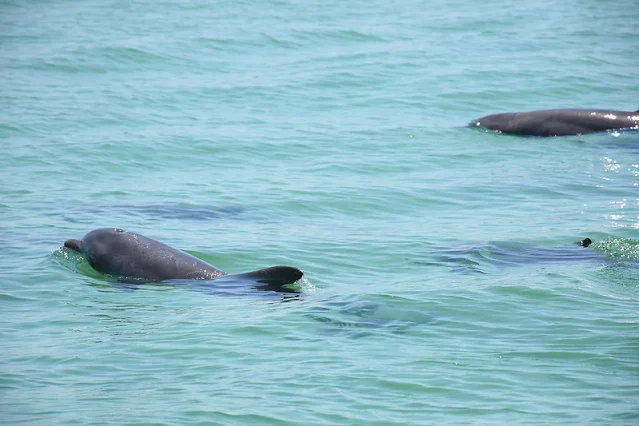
442,284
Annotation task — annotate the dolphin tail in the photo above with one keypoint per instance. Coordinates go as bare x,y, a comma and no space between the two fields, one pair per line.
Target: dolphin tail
74,244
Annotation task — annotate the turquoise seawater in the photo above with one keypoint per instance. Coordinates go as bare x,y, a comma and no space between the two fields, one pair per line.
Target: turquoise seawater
442,283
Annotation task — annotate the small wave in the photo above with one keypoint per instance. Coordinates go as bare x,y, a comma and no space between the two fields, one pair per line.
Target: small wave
99,59
339,35
619,249
125,54
74,262
124,212
239,45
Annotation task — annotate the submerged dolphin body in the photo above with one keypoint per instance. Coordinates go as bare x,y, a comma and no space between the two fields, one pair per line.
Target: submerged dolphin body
136,258
559,122
482,257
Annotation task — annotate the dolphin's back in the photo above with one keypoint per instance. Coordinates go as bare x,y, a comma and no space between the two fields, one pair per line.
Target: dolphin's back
127,254
558,122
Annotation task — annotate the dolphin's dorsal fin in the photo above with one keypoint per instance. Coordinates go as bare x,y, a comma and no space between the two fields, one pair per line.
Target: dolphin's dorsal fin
275,275
585,242
275,278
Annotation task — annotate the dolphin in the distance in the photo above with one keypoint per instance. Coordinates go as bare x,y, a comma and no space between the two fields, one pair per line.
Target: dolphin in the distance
559,122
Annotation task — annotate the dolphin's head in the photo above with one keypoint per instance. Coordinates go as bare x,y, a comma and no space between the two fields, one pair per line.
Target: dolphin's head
99,246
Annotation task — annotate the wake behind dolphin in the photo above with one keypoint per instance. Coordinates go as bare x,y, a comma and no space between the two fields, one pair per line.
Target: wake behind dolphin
135,258
558,122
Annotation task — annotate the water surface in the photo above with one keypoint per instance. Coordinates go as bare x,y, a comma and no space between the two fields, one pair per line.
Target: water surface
442,281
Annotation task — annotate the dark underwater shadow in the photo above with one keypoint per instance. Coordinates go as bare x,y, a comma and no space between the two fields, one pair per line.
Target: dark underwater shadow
238,285
362,316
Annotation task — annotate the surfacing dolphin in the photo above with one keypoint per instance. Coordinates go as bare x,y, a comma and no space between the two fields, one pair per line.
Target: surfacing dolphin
481,258
135,258
559,122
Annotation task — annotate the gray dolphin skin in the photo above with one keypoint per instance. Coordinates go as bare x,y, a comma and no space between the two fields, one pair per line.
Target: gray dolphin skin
559,122
137,258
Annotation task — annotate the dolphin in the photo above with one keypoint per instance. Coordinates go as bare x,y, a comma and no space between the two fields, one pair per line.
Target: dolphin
559,122
482,257
135,258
